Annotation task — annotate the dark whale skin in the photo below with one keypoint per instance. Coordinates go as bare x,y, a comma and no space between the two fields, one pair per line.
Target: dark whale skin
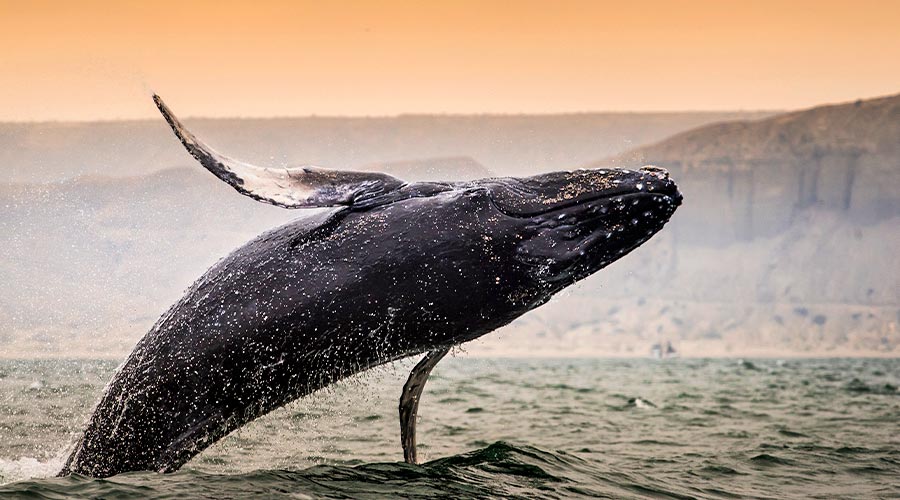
327,296
296,309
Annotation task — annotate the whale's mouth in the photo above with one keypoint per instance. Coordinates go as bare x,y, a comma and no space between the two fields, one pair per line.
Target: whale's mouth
600,204
627,218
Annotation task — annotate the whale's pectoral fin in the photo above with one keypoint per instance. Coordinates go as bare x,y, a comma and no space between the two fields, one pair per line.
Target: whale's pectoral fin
409,401
301,187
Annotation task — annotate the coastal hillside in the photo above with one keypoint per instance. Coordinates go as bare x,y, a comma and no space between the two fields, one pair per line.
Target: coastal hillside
855,129
757,176
786,243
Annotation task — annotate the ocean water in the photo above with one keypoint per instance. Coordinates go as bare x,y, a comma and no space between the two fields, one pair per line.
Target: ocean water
538,428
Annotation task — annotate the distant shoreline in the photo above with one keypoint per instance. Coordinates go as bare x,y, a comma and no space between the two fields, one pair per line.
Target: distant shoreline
400,116
553,357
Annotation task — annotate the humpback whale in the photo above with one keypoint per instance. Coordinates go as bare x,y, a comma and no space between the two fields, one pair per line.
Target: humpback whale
386,270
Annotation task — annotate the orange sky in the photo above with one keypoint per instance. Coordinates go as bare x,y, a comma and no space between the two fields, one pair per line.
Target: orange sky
100,59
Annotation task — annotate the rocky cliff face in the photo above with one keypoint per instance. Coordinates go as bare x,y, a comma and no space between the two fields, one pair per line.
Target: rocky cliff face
756,177
786,242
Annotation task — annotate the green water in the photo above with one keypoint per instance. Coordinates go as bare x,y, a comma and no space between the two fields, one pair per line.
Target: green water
684,428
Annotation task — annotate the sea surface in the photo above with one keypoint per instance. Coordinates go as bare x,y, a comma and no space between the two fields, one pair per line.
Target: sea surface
538,428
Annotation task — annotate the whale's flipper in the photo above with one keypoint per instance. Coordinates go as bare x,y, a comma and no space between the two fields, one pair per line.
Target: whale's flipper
409,401
301,187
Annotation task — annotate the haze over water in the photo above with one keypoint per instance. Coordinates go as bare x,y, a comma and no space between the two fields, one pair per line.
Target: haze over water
635,428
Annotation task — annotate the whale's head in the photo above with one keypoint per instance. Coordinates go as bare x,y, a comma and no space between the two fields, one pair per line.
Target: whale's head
571,224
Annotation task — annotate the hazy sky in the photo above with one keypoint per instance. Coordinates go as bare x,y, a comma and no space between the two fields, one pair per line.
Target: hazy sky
100,59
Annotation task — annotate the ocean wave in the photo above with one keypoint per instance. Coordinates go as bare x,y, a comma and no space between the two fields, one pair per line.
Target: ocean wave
500,470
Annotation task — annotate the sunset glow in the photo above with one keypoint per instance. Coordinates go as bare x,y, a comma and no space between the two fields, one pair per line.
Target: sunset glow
101,59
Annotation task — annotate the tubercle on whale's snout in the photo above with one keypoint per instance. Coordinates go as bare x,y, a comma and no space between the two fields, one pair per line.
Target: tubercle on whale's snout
650,179
657,179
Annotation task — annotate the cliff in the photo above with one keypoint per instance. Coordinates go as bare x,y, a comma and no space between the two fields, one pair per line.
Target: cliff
786,242
755,177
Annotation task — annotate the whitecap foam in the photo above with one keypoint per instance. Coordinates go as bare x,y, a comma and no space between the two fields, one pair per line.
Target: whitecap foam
28,468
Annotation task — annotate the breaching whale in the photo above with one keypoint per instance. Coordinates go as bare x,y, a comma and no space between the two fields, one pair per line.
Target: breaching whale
390,270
